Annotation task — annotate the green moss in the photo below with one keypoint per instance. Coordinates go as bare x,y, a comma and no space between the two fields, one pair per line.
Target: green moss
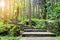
58,37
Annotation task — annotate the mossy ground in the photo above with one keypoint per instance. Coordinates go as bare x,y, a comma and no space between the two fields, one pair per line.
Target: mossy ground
9,38
58,37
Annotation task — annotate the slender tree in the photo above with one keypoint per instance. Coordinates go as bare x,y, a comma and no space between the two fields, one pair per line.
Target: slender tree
30,13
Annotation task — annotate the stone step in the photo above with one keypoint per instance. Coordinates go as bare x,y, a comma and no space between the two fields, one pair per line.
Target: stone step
26,27
38,34
35,30
39,38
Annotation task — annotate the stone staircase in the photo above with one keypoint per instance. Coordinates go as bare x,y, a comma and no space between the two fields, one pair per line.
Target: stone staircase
33,32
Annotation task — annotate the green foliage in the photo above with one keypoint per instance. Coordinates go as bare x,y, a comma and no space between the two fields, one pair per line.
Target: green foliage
10,29
14,31
3,29
52,26
58,37
56,8
39,23
53,13
1,24
9,38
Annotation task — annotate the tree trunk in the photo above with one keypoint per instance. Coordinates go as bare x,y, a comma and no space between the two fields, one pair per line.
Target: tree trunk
30,13
17,13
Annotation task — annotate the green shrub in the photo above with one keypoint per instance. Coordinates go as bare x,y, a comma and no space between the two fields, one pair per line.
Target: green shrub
3,29
36,23
53,26
40,23
14,31
9,29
